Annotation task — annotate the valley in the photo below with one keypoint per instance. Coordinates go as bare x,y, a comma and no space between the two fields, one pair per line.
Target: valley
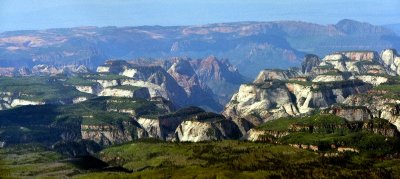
338,115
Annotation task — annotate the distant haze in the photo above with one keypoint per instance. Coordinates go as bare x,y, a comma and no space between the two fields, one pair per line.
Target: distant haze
42,14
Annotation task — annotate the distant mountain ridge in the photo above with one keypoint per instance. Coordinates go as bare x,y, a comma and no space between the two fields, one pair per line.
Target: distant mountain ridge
394,27
251,46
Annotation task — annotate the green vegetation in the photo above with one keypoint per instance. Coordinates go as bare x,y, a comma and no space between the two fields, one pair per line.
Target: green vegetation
32,161
332,73
127,87
393,88
79,81
47,123
284,124
325,130
38,161
233,159
39,88
106,76
184,112
107,110
327,66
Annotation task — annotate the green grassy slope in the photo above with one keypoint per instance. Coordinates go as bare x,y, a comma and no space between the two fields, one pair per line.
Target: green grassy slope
233,159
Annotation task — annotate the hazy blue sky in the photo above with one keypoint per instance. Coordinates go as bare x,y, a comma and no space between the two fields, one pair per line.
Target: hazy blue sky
40,14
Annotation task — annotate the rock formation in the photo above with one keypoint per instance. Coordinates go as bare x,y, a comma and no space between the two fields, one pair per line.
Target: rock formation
340,78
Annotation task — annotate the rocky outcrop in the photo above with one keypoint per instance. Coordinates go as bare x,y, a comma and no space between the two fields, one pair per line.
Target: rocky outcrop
310,61
263,135
23,102
112,134
391,60
380,106
372,79
152,127
268,75
198,94
281,93
161,127
44,69
364,62
112,66
126,92
273,100
262,101
197,131
361,55
108,83
219,75
158,81
90,89
381,127
358,113
328,78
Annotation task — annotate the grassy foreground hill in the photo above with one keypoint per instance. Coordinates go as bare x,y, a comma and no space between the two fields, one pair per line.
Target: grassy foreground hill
219,159
235,159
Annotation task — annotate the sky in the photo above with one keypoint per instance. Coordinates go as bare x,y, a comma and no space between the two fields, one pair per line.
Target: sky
44,14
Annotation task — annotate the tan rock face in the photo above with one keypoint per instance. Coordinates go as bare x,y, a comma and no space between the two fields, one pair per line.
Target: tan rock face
391,60
372,79
152,127
361,55
22,102
139,93
108,83
328,78
267,75
380,107
196,131
112,134
263,135
272,101
88,89
352,113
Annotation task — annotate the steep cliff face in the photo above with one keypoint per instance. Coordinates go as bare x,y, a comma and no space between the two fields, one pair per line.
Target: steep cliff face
37,90
126,91
381,127
219,75
372,79
263,135
362,55
198,94
23,102
91,89
43,69
112,134
254,100
359,113
197,131
379,105
329,78
279,99
365,62
268,75
291,130
158,82
391,60
310,61
280,93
